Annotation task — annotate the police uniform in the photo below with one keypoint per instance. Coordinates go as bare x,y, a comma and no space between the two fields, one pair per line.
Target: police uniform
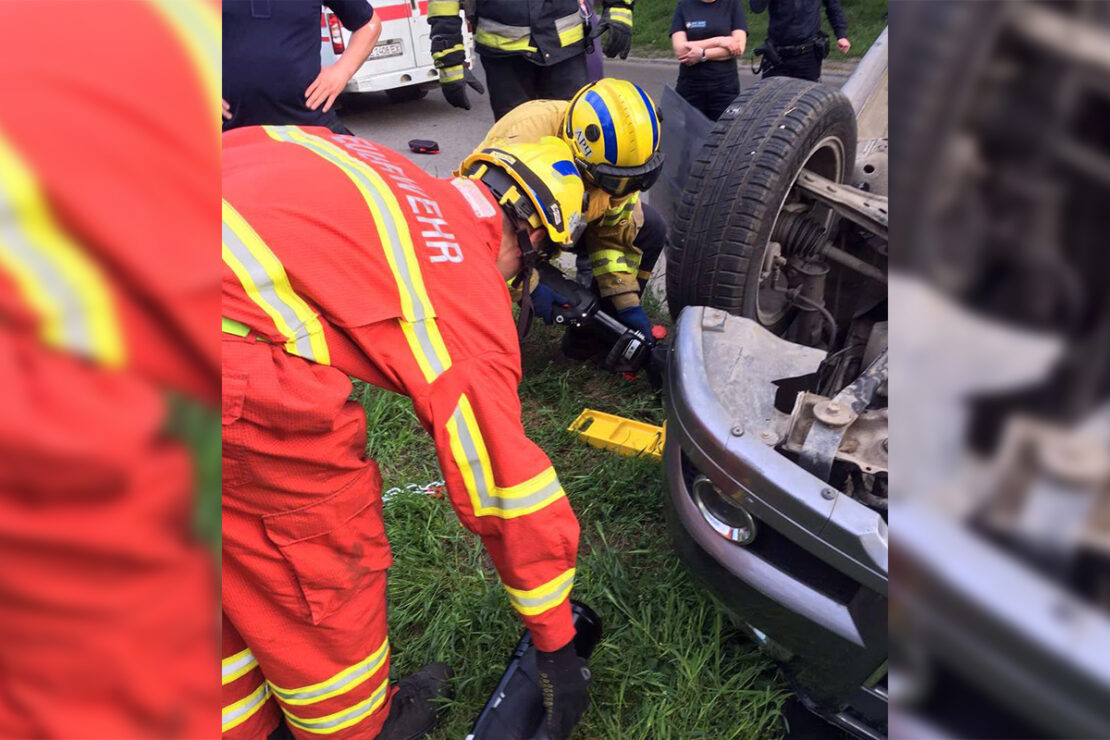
794,28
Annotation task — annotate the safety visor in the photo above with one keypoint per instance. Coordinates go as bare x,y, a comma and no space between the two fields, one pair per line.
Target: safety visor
621,181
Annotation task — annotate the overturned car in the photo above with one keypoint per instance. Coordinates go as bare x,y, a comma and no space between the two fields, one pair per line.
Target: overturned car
776,384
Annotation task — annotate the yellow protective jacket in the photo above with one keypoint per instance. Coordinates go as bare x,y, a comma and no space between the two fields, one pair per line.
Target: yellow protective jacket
612,223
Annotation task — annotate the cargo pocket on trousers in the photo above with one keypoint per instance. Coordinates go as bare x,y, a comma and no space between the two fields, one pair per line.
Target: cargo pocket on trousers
335,545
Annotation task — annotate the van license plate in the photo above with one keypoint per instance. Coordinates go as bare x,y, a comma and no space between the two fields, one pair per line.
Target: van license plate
389,48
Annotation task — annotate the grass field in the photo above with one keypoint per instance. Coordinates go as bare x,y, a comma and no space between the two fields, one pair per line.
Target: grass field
669,665
652,18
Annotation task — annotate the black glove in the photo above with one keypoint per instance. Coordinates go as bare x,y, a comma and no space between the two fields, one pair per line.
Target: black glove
563,678
617,21
449,57
455,89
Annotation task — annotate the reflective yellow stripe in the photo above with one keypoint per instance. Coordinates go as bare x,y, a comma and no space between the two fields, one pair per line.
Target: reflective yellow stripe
443,7
242,710
66,290
540,599
566,38
605,261
445,52
493,41
340,683
486,497
237,665
265,282
342,719
198,26
570,29
423,335
500,36
451,74
622,15
231,326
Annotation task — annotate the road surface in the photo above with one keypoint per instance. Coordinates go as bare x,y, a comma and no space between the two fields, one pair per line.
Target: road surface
458,131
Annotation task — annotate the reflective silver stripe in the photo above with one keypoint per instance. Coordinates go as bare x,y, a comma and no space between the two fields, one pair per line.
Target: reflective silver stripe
345,718
420,331
75,321
337,684
566,23
500,29
485,488
242,710
395,246
235,665
532,605
266,290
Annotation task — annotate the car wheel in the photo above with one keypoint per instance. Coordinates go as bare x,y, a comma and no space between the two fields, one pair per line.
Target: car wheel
743,178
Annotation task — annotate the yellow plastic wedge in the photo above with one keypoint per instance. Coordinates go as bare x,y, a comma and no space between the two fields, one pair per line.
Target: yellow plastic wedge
620,435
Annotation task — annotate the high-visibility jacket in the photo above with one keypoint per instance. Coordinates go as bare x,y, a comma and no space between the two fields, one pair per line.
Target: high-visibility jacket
612,223
543,31
350,256
109,297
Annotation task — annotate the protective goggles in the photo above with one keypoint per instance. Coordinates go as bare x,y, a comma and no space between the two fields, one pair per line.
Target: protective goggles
621,181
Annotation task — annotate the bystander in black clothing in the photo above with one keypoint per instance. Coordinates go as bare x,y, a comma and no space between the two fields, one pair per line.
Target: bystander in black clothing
794,30
711,84
271,54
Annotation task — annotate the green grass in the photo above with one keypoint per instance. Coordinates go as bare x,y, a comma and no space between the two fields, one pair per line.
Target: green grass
669,665
652,18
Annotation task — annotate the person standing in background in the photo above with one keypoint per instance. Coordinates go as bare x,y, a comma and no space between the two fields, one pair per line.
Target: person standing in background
796,45
530,49
707,36
271,61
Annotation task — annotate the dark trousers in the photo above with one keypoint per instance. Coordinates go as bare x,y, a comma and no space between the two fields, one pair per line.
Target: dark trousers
711,97
803,66
513,80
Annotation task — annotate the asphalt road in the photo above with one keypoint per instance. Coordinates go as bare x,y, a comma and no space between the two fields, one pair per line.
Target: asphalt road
373,116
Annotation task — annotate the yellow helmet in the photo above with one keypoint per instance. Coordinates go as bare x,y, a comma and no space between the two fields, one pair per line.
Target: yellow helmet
612,127
538,181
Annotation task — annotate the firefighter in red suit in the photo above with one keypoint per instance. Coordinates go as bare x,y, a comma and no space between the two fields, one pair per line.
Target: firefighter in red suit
109,296
342,258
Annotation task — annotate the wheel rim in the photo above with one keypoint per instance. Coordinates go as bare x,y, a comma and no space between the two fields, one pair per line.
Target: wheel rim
826,158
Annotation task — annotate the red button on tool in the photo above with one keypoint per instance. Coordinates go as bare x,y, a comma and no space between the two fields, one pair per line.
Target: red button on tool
659,332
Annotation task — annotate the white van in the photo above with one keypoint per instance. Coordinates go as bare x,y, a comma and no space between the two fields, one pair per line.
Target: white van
401,63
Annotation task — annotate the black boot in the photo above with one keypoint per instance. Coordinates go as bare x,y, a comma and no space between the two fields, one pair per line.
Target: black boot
414,710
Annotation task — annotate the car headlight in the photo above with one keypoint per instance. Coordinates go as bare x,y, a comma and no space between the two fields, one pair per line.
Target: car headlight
727,519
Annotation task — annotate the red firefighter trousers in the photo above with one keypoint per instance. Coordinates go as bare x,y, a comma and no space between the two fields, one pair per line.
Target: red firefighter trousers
304,552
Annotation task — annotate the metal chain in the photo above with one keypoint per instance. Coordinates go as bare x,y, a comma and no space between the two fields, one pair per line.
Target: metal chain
428,489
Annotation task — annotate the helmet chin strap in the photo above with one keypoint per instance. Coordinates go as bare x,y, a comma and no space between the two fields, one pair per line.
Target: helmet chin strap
528,257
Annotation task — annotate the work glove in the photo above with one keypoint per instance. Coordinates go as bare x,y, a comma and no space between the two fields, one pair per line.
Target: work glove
544,301
617,20
564,678
455,90
635,318
454,76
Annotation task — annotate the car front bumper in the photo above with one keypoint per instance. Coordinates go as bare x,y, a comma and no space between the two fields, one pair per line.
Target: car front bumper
812,585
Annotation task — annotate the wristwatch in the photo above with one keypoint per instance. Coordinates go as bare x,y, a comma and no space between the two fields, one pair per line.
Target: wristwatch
703,56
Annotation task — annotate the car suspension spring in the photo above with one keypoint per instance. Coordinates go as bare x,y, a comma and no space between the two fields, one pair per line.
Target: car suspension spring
799,235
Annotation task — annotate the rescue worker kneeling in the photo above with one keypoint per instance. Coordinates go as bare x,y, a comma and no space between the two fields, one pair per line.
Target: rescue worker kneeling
612,128
343,259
